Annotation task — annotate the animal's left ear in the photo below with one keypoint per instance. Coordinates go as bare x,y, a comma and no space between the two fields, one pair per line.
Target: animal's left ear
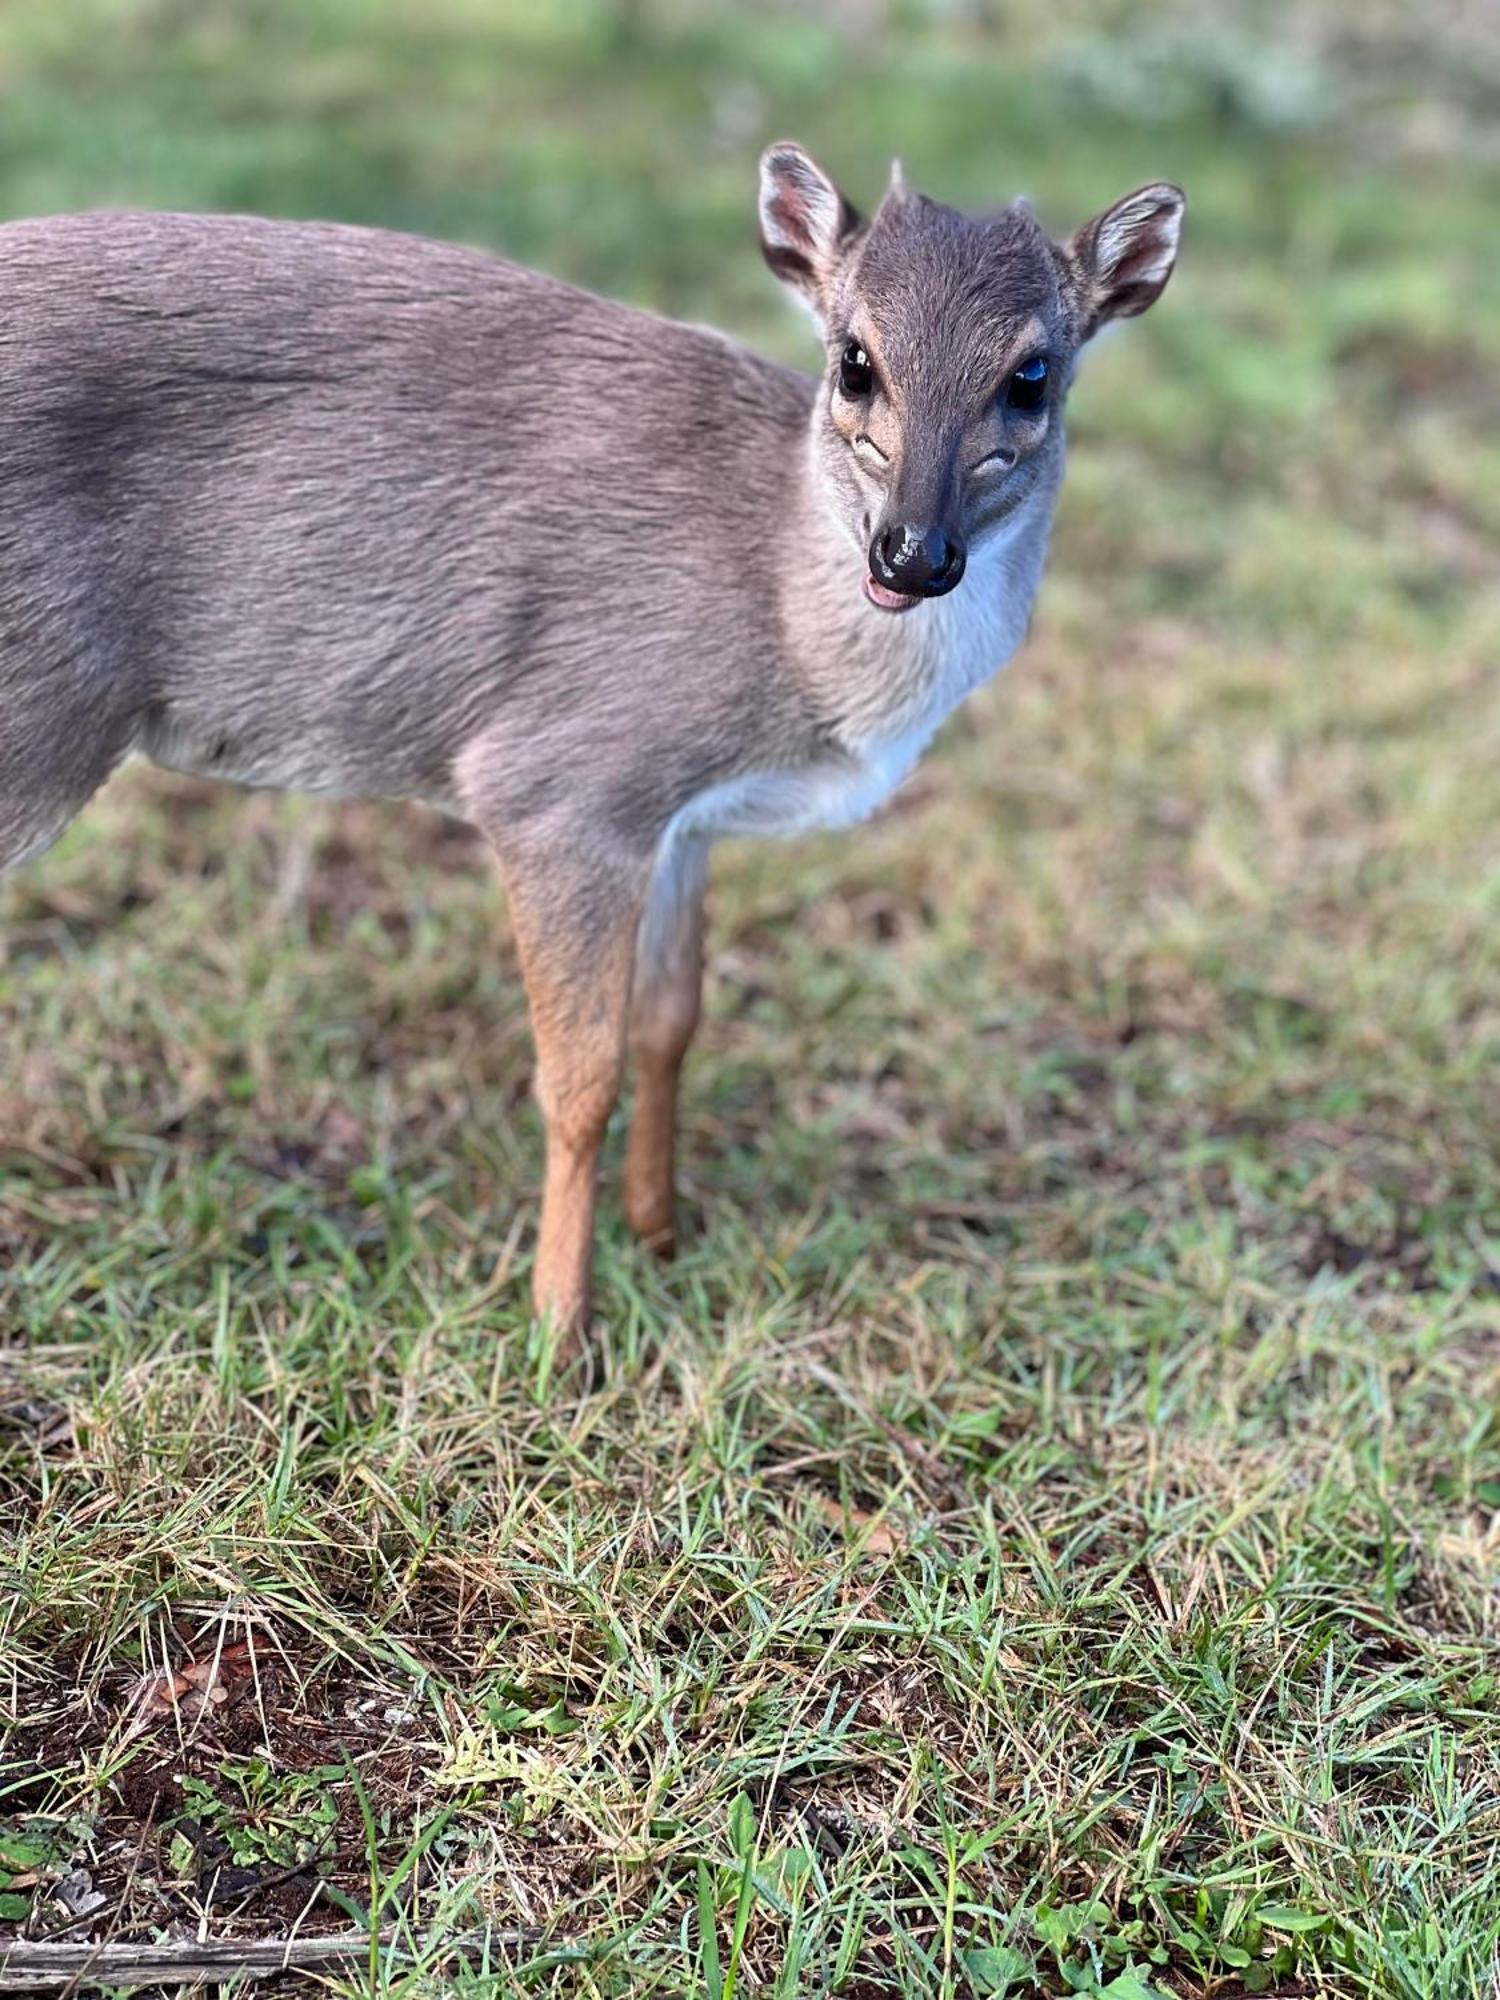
1123,258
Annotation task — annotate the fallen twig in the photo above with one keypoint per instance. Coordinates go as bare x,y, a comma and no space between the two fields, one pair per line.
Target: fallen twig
50,1968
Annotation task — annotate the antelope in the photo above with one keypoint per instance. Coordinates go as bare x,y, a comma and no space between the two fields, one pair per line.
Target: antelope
357,513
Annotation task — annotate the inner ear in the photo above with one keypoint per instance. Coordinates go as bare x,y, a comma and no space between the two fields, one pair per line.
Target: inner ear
1124,257
805,222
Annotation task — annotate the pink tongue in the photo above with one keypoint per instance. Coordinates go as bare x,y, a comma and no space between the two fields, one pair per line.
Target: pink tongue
890,600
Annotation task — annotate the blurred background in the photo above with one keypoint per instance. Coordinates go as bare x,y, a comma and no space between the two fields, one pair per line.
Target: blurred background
1341,158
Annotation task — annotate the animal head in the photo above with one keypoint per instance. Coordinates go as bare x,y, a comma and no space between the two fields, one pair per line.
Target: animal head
951,341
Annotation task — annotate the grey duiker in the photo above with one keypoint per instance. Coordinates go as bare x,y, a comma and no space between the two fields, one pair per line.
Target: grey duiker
362,514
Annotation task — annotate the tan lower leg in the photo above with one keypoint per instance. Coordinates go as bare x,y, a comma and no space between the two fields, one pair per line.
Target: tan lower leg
664,1018
577,943
650,1157
577,1105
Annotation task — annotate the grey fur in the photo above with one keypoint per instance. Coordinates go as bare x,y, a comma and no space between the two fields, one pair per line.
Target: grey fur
318,507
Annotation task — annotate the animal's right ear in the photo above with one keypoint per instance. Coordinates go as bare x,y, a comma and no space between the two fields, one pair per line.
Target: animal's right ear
804,221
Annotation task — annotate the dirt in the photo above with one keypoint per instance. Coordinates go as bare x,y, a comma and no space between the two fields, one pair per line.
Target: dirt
146,1846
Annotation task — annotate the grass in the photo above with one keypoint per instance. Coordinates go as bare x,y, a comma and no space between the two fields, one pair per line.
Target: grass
1044,1534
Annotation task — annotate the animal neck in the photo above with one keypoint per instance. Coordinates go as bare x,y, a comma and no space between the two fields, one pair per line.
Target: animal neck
872,675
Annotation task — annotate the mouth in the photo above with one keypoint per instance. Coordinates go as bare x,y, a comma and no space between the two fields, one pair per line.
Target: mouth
888,600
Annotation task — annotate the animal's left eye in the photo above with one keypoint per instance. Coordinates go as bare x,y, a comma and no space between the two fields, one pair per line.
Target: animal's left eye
1028,386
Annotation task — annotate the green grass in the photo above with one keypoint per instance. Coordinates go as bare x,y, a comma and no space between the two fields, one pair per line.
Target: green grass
1044,1534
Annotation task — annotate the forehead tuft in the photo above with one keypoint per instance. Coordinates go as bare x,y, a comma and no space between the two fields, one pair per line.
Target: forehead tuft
946,289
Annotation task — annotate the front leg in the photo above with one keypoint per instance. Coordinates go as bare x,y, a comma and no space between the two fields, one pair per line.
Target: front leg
664,1014
575,918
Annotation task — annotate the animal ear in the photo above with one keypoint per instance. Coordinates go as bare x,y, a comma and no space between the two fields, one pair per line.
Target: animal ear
804,221
1124,257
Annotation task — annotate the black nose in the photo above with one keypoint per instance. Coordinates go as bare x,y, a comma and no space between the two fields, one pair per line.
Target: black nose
923,562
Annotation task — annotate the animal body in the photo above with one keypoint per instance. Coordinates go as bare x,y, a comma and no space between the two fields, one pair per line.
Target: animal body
356,513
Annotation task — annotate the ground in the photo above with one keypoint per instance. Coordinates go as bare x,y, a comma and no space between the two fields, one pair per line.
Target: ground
1044,1534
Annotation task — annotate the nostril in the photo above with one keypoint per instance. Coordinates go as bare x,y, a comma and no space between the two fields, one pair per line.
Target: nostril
884,557
950,570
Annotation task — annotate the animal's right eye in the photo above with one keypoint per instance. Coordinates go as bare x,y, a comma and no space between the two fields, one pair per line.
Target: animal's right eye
856,376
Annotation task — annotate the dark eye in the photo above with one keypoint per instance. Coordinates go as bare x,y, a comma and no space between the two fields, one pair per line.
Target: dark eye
1028,386
856,376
